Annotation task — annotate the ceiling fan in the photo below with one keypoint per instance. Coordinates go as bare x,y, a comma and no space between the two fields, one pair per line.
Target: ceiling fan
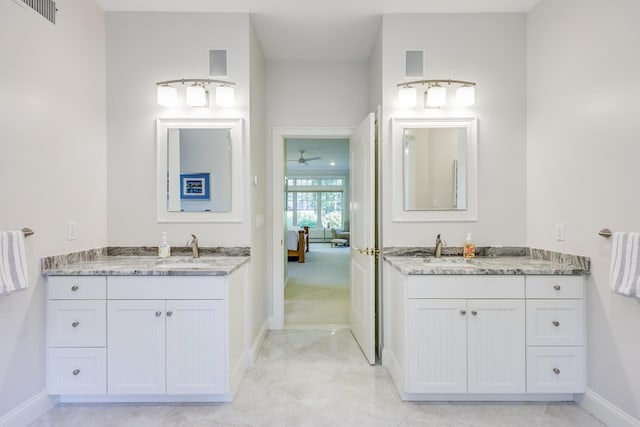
302,160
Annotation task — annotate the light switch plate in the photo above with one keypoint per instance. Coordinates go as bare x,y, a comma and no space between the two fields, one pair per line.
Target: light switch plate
559,227
72,231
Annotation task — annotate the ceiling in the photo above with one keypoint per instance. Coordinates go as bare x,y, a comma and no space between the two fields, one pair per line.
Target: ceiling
336,30
330,150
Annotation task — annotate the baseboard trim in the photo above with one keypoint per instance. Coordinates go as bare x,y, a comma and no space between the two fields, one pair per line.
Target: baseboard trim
604,410
257,343
29,411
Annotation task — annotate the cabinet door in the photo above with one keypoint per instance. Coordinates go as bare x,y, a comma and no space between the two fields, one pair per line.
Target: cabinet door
436,346
196,347
496,346
136,346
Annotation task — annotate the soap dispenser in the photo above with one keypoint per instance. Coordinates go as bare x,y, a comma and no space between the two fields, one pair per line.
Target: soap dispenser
164,250
469,249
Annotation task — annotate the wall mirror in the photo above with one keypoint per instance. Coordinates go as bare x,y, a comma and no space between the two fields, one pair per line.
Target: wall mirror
435,169
200,170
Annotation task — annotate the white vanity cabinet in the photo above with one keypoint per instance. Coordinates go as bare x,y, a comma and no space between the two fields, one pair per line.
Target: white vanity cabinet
146,338
76,335
483,337
166,346
463,345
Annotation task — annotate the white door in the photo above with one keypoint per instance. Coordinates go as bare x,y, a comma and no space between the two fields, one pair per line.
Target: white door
496,346
195,347
362,239
136,347
436,346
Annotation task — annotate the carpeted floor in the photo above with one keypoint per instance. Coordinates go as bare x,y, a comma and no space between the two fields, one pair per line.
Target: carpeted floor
317,291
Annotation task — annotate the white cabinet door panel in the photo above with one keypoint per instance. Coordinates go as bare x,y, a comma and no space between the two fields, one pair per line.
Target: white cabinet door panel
436,346
555,370
76,371
136,347
195,347
76,323
496,346
555,322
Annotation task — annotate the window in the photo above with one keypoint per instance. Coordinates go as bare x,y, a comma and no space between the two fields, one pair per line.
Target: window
315,202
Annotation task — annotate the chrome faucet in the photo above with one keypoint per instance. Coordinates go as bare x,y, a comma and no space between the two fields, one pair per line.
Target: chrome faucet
194,246
439,243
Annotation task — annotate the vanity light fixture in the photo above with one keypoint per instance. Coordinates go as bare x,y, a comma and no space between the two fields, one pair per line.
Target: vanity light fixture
197,94
436,94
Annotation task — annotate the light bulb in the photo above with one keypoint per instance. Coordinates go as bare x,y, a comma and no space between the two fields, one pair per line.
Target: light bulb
167,96
197,96
407,97
225,96
465,96
436,96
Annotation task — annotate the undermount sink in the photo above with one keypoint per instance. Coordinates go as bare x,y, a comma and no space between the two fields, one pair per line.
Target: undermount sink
191,263
453,262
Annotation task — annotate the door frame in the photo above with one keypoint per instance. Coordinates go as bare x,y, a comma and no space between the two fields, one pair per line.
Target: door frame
276,321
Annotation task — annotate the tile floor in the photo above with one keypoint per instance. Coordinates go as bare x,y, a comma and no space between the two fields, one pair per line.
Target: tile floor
317,378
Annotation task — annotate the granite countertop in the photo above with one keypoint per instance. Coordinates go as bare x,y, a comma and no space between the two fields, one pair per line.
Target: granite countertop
493,261
150,266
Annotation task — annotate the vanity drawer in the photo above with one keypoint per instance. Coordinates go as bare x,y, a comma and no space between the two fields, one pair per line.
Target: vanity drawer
555,322
163,287
554,287
77,371
77,323
77,287
465,287
555,370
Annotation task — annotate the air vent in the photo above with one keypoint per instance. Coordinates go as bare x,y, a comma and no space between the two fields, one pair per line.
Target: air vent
46,8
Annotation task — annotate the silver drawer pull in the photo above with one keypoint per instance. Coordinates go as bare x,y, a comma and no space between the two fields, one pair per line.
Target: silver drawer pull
463,312
74,288
475,313
556,287
158,313
556,371
556,323
169,313
75,324
76,371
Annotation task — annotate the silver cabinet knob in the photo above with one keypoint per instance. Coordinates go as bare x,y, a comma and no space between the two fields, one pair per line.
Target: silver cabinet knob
76,371
463,312
75,324
556,323
169,313
158,313
474,312
74,288
556,371
556,287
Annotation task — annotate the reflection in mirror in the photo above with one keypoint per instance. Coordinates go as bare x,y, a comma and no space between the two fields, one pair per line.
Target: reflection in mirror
199,170
435,169
435,164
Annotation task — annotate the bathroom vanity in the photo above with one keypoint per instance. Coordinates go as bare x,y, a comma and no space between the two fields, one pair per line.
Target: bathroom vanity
127,329
494,328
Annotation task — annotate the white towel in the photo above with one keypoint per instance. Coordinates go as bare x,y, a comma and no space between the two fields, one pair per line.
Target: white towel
625,264
13,262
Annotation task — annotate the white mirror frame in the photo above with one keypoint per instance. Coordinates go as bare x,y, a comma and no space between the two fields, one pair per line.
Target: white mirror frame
469,214
239,168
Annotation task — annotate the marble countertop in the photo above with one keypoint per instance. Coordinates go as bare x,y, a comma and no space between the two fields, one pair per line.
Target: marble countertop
499,265
151,266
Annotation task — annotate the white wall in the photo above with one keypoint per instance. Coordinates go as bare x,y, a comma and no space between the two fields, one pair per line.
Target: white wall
142,49
488,49
582,159
258,282
52,166
310,94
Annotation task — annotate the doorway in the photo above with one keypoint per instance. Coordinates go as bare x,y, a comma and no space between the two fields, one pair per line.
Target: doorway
317,194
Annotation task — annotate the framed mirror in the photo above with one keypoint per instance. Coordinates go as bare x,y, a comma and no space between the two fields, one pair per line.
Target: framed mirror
200,170
435,169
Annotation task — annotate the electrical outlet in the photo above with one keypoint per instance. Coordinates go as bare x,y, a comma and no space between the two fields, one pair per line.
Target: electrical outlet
559,231
72,231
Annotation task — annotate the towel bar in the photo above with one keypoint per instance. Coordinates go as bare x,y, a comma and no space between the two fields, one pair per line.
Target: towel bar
605,232
27,232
